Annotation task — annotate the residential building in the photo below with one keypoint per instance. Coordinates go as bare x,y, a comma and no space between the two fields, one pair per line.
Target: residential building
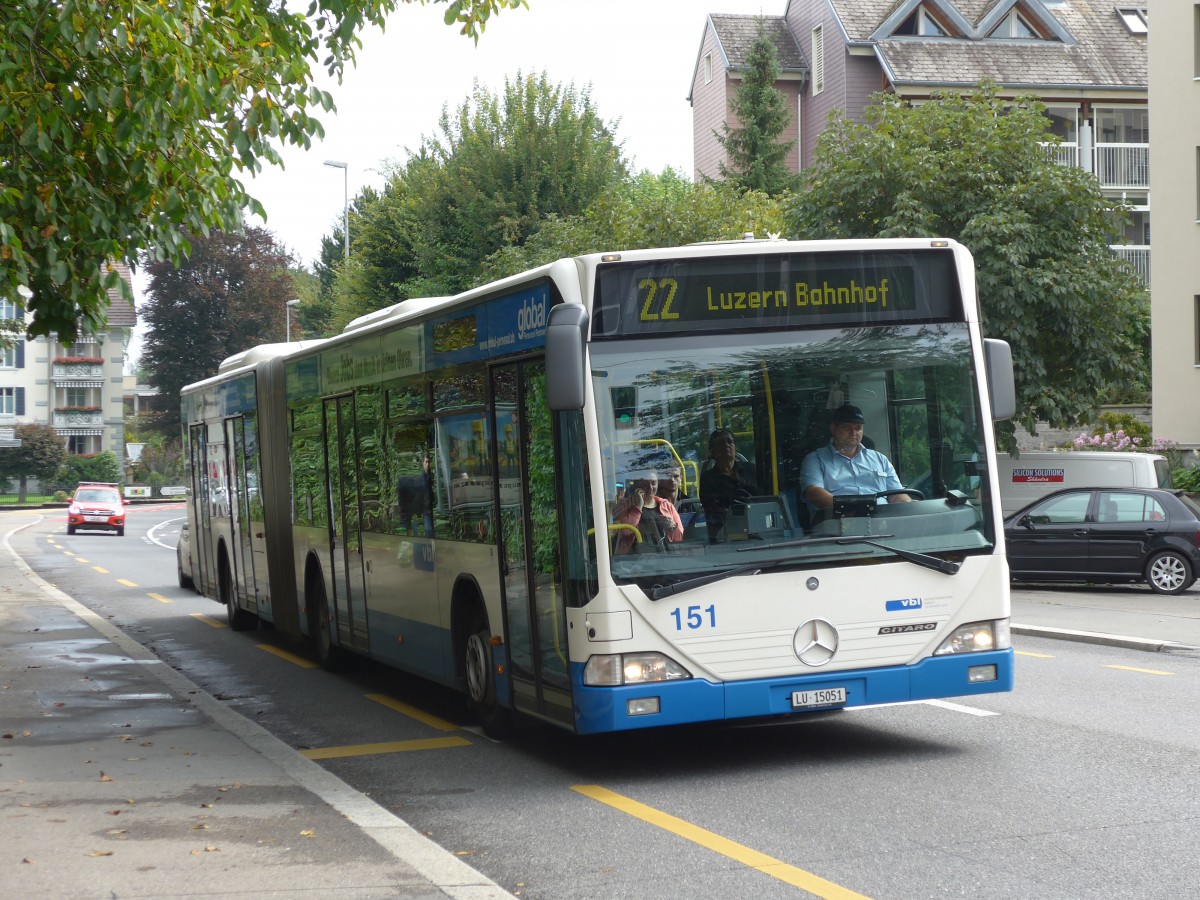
76,388
1085,59
1175,302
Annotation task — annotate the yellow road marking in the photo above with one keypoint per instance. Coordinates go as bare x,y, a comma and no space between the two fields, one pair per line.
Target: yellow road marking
412,712
290,657
101,570
80,559
1034,655
126,583
389,747
207,621
159,597
1143,671
814,884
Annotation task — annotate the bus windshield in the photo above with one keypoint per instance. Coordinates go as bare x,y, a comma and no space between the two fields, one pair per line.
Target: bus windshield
661,404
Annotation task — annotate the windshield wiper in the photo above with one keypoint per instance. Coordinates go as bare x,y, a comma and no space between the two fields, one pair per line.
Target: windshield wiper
668,590
945,566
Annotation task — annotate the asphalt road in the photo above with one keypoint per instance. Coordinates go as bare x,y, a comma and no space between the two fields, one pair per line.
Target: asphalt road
1081,783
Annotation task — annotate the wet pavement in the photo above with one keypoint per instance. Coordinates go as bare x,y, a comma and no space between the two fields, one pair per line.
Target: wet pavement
120,778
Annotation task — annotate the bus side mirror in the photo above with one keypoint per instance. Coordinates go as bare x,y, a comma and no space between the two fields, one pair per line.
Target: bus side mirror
997,362
566,375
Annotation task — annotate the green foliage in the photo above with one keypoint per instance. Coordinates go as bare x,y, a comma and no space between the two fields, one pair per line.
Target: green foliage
665,210
1186,478
39,456
1111,421
497,167
757,157
103,467
161,462
126,124
976,169
229,295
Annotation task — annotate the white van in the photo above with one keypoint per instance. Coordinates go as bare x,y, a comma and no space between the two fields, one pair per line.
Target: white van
1039,472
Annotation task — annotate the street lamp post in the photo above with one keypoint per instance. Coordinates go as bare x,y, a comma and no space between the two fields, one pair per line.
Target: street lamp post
287,317
337,164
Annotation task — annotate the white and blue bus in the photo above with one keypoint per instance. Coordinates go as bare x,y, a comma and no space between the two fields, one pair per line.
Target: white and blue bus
434,488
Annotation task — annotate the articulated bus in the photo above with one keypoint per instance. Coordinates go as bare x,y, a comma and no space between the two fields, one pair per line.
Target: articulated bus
434,488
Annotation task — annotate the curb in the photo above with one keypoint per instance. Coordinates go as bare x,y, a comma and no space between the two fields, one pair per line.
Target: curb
430,860
1109,640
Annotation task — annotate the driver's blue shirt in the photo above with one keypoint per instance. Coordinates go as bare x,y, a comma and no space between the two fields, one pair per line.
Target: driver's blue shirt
867,472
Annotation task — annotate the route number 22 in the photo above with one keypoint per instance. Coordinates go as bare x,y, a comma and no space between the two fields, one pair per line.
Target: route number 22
658,307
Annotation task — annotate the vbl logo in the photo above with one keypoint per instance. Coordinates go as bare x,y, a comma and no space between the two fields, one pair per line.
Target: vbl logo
907,603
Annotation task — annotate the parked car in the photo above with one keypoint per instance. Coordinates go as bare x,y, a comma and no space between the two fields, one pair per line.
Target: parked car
183,557
96,505
1107,535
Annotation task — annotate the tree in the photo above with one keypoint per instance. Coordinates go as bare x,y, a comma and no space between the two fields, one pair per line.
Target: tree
498,166
126,124
648,210
977,169
757,156
39,456
229,295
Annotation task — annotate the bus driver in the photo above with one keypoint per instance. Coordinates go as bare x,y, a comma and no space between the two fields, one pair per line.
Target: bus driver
844,467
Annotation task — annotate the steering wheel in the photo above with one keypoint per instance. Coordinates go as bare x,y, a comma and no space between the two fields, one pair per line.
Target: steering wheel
912,492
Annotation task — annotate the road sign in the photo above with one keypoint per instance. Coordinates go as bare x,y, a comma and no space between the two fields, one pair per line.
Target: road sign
172,491
10,444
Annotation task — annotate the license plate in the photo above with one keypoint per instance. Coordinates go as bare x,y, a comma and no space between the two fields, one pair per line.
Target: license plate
820,697
95,518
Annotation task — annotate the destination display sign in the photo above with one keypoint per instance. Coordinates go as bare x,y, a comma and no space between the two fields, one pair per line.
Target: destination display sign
776,291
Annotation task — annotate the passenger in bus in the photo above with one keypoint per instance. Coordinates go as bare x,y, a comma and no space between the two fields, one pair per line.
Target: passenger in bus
844,467
653,516
724,479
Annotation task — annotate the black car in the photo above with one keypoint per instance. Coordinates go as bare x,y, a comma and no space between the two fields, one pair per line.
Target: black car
1107,535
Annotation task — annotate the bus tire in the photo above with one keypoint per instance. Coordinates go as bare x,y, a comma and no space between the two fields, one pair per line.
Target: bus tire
239,619
320,626
479,670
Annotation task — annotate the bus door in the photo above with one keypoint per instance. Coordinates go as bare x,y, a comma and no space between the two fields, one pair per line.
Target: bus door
239,514
202,543
535,633
345,537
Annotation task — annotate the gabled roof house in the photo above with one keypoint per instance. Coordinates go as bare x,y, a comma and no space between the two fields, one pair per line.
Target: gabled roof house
1086,59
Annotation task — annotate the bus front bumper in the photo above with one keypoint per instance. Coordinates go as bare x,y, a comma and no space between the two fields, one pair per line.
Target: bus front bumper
603,709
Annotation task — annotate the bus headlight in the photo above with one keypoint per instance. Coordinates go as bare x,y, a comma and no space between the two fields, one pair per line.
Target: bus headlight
631,668
975,637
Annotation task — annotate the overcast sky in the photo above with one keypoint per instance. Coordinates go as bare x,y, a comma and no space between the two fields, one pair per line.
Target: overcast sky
637,55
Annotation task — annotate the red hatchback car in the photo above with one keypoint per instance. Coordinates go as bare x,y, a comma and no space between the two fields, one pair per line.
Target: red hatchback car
97,506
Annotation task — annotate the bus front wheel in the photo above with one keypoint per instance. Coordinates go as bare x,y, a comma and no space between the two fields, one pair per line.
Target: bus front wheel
480,671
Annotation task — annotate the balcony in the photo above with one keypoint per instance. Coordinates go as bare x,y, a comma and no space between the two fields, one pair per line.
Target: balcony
1137,256
1123,166
82,417
78,368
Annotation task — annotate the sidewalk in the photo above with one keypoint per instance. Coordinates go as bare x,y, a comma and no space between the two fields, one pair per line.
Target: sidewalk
121,778
1129,616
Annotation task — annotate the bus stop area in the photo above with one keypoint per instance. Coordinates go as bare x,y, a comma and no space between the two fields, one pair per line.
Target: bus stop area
119,777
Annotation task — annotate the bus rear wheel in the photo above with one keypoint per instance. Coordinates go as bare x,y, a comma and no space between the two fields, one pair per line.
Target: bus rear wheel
480,671
328,654
239,619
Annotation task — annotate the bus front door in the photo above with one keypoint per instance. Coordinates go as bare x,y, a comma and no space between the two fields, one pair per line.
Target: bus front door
535,618
345,537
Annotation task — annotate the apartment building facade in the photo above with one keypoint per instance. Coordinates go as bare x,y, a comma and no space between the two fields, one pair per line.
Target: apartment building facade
78,388
1085,59
1175,301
